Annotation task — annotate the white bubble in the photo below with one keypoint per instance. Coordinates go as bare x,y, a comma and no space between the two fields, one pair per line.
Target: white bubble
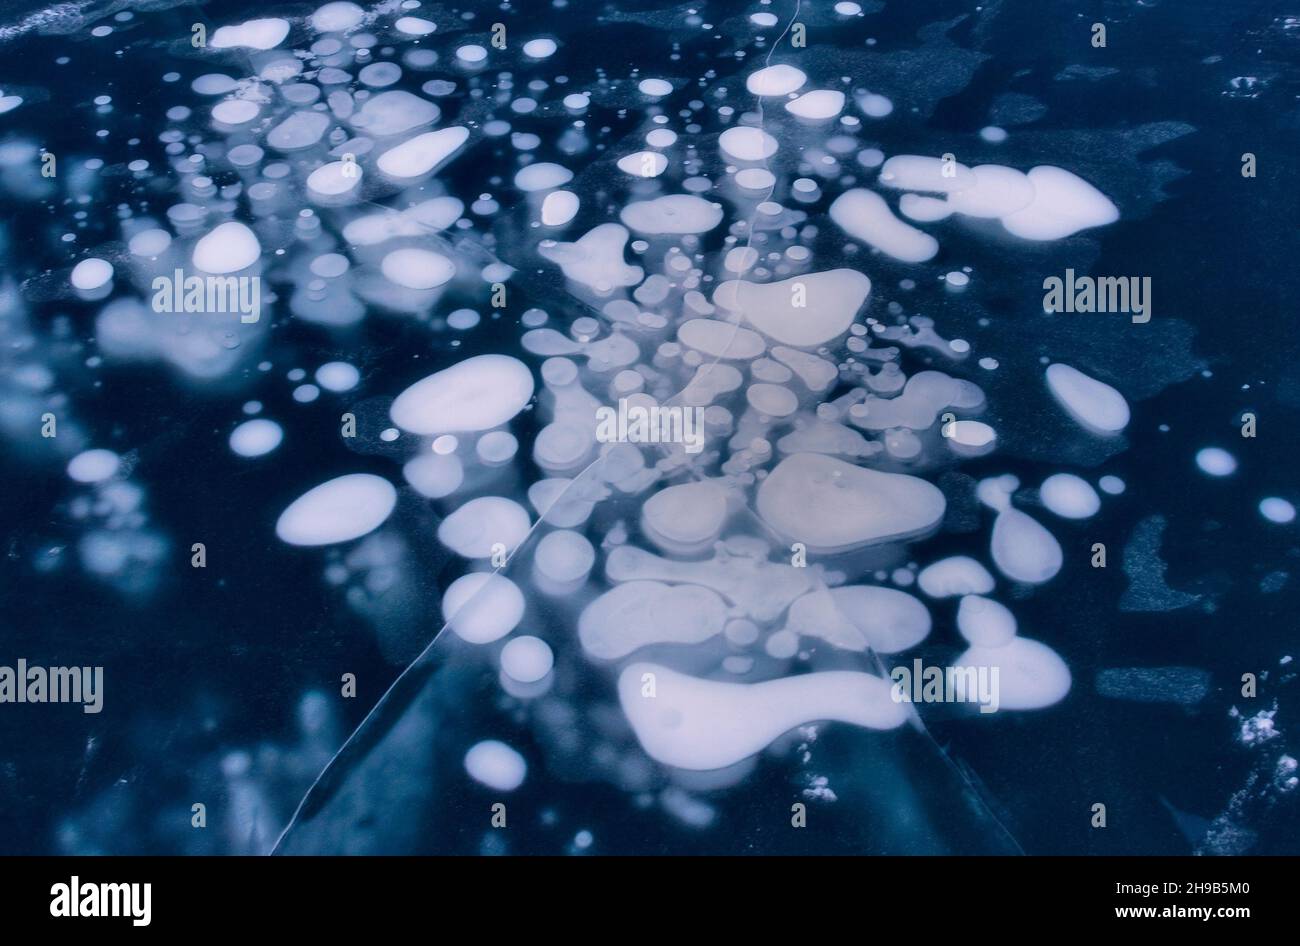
1216,461
93,466
254,438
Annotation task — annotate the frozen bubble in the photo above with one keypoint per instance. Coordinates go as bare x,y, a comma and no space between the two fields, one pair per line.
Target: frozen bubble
1094,405
213,83
423,153
93,466
1111,485
772,400
699,725
300,130
1069,496
1276,509
655,87
337,17
496,765
471,53
540,48
780,79
91,274
970,437
865,216
1030,675
255,438
686,518
496,448
483,607
915,172
993,134
1022,549
563,561
855,617
150,244
541,176
643,164
338,510
756,179
997,191
483,526
478,393
379,75
434,475
804,311
526,659
337,376
254,34
596,259
874,105
334,179
394,113
957,575
235,111
744,143
1216,461
414,268
228,248
661,137
833,506
1063,205
985,622
559,208
818,105
673,213
720,339
636,614
415,26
